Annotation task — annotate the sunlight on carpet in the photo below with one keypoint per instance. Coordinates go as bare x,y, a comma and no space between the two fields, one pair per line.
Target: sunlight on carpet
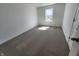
43,28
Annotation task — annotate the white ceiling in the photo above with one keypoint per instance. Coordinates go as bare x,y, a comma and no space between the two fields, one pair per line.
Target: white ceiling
42,4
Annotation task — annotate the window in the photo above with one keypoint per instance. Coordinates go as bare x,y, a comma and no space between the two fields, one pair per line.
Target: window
48,14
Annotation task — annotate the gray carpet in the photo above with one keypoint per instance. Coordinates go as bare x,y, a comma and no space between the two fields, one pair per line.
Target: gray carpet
50,42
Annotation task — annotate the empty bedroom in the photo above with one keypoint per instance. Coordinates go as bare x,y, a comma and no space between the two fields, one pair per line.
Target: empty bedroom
34,29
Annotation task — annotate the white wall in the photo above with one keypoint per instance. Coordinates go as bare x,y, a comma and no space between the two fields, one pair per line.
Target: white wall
58,10
69,14
16,19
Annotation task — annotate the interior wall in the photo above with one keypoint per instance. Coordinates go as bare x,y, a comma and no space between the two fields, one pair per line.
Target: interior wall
58,12
69,14
16,19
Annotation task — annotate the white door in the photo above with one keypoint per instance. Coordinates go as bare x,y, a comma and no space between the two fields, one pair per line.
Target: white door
75,33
